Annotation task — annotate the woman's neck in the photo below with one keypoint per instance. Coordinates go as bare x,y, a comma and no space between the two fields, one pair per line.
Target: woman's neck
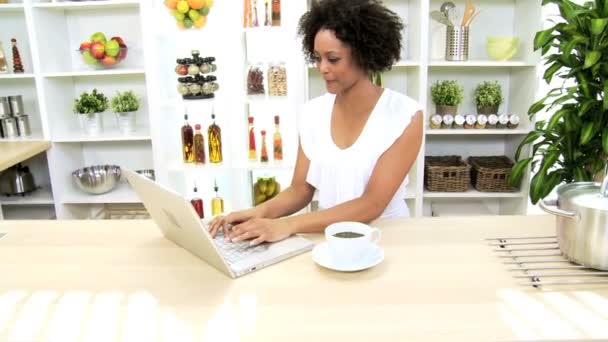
361,95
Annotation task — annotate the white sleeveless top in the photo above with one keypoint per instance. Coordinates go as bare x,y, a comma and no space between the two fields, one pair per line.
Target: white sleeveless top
340,175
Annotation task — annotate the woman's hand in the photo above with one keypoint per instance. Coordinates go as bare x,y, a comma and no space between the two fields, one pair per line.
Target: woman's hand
259,230
223,222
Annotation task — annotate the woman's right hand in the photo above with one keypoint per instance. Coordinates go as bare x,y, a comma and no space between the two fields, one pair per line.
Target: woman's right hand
224,222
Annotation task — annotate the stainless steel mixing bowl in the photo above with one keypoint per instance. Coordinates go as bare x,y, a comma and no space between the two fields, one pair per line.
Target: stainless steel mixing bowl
97,179
148,173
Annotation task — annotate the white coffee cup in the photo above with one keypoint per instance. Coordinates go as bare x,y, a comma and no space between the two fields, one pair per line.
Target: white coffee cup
350,241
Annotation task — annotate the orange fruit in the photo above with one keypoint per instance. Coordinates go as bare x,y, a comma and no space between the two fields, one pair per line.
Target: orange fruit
200,22
180,25
171,4
196,4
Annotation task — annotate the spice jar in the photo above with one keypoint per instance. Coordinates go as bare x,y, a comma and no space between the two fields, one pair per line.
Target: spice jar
482,119
435,121
459,121
492,121
255,80
503,120
470,121
447,121
513,121
277,79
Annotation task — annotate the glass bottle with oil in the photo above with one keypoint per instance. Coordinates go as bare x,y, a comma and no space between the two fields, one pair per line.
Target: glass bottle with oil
253,155
277,141
264,152
187,141
217,203
214,136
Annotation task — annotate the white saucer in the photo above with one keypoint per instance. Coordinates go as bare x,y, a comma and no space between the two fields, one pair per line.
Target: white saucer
322,256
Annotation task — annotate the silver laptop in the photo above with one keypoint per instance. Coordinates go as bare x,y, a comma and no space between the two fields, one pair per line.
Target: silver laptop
179,222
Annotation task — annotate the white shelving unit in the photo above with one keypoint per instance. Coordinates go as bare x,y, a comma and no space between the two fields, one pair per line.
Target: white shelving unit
49,34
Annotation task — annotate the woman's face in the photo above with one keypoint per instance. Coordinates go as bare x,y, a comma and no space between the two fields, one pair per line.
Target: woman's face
335,63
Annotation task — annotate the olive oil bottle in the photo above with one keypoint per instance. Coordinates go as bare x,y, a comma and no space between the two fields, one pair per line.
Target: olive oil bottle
217,203
214,136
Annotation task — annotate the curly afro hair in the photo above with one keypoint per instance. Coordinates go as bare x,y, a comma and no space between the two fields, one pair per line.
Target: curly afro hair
372,31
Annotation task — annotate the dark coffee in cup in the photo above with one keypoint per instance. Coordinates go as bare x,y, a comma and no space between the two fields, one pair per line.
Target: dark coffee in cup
348,235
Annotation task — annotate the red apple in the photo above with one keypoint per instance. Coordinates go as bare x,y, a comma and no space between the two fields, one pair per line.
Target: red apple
120,41
98,50
85,45
108,61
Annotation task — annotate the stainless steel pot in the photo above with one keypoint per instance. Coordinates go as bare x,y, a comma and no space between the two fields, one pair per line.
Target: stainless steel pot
5,108
582,222
16,103
17,180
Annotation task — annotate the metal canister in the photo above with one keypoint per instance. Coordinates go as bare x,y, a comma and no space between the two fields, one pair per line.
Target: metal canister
5,109
9,126
16,103
23,125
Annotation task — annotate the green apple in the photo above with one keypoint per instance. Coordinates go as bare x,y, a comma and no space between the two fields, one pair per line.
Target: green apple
204,11
112,48
98,37
88,58
187,23
193,14
179,16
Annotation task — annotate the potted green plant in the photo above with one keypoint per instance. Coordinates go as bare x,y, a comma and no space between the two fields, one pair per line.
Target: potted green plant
572,145
90,108
125,105
488,97
446,96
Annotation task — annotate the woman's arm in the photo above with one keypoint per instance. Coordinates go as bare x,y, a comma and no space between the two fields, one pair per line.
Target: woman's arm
387,176
295,197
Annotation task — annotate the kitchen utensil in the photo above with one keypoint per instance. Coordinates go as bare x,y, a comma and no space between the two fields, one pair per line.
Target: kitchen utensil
23,125
446,6
5,108
97,179
470,20
441,18
148,173
469,10
9,127
454,15
457,43
582,222
17,180
16,103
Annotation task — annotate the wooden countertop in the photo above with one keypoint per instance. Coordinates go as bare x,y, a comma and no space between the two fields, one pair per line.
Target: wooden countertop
121,280
13,152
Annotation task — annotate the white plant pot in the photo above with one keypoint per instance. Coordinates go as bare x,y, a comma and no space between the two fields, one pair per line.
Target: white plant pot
91,124
126,122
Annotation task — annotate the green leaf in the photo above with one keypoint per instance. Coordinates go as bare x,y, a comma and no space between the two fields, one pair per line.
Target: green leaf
580,175
537,106
586,106
555,118
551,181
542,38
592,58
605,102
548,75
536,187
605,140
586,132
530,138
598,26
517,172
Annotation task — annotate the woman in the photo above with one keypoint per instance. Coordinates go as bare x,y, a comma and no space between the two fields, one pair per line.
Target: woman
357,142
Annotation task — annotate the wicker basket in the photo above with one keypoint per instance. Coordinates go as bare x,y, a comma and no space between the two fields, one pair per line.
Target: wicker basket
489,174
446,174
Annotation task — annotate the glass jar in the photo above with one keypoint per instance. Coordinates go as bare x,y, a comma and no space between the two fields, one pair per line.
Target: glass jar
447,121
492,121
503,120
470,121
459,121
482,119
255,80
264,189
277,79
436,121
513,121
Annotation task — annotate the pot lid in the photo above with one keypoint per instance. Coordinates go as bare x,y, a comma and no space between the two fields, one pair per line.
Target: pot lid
584,194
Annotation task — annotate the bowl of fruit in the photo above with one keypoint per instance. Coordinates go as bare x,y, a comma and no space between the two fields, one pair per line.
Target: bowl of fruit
101,52
189,13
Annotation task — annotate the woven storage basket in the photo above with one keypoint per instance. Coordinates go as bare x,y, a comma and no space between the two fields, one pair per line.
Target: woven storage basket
446,173
489,174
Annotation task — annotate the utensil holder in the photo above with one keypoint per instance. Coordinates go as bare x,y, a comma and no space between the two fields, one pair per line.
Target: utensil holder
457,43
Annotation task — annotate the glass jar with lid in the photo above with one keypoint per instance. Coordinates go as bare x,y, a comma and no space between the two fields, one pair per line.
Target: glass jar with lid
255,79
470,121
459,121
492,121
448,120
482,119
277,79
436,121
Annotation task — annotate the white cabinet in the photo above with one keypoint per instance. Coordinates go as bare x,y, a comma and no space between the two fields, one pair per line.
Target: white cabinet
49,35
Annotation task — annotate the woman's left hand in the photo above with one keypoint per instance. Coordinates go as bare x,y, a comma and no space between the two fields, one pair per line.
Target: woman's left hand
259,230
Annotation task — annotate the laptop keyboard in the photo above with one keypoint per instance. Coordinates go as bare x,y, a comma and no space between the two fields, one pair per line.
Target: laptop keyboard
236,251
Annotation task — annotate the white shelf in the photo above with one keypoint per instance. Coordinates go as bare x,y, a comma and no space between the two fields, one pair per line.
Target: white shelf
400,64
141,134
462,131
472,193
481,63
40,196
121,194
16,76
100,72
34,137
80,5
11,7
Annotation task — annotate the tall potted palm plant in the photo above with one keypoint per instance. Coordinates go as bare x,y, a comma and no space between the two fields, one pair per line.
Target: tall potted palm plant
573,144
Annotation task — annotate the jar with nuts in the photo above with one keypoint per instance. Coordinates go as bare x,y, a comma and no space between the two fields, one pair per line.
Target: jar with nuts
277,79
255,80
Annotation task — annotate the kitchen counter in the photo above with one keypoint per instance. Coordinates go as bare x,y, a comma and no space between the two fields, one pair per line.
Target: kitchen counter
440,281
14,152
